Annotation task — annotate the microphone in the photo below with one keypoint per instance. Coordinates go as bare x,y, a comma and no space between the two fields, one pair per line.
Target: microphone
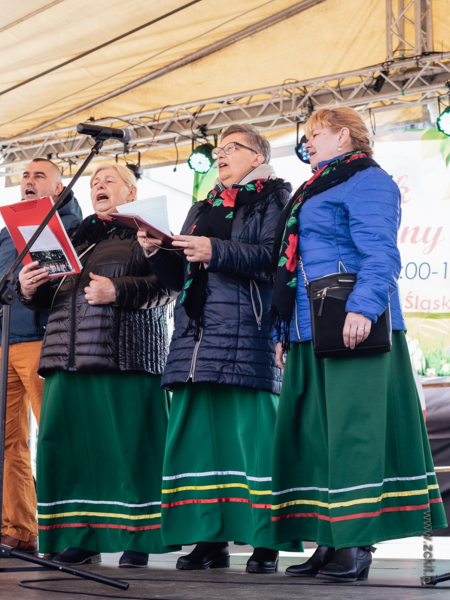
105,133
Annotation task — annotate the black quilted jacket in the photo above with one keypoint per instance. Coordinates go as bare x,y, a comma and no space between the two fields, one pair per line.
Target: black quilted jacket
236,345
129,335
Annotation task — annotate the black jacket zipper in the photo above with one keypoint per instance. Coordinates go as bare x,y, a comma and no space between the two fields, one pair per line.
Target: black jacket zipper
73,320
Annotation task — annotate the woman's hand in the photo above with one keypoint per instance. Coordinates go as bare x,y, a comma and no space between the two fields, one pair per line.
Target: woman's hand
148,243
31,278
100,290
197,249
279,355
356,329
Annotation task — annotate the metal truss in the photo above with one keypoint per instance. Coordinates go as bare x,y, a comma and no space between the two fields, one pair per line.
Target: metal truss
409,28
392,85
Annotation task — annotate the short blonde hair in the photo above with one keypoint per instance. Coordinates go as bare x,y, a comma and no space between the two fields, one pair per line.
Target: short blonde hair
124,173
254,139
337,118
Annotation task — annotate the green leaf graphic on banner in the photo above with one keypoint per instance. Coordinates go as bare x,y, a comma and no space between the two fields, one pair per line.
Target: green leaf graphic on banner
293,283
292,221
433,134
283,260
229,215
250,187
188,283
183,298
217,202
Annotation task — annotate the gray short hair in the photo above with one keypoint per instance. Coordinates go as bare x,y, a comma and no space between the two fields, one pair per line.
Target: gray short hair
254,139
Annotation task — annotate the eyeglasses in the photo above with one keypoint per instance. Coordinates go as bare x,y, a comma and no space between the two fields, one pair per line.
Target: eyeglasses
230,148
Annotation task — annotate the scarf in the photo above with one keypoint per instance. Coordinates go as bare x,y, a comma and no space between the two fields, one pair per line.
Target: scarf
94,229
286,247
215,219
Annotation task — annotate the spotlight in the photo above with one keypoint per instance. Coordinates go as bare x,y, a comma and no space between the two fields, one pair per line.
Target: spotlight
301,151
443,122
379,81
201,159
136,169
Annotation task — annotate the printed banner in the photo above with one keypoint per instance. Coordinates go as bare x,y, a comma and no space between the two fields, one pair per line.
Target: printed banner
419,163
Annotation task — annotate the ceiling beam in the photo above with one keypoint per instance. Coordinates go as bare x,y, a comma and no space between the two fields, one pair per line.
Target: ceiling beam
409,28
406,83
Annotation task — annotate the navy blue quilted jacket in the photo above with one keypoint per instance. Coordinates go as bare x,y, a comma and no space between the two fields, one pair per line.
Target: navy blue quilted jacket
236,345
355,224
27,326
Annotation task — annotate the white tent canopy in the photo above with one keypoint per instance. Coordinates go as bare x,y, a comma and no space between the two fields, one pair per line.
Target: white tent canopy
68,61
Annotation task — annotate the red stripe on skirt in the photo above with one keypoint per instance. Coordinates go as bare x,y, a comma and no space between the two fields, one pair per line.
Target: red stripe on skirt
214,501
99,526
357,515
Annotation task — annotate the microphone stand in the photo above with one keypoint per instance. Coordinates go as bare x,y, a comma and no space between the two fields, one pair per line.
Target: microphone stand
7,297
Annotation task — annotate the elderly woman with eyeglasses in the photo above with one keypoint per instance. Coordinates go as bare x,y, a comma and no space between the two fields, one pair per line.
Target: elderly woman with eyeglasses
221,366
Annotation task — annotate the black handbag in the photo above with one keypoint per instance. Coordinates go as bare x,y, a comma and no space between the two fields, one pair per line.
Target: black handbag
327,299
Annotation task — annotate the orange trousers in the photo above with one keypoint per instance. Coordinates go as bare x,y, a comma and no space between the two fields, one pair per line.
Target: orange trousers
19,495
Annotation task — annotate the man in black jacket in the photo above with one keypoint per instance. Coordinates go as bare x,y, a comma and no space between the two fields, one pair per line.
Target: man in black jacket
19,527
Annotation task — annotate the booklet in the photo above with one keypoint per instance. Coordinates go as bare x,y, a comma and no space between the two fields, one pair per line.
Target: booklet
53,248
148,215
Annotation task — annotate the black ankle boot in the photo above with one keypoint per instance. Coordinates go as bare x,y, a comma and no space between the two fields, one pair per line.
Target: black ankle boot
348,564
263,560
319,559
78,556
132,559
206,555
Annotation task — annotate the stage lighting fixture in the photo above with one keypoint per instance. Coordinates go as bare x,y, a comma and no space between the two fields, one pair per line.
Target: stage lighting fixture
201,159
380,81
136,169
443,122
301,151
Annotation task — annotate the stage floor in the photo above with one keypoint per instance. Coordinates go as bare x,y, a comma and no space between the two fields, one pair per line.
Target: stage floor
162,581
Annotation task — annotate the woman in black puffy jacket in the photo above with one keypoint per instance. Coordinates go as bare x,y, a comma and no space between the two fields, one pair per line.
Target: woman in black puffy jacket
104,413
221,366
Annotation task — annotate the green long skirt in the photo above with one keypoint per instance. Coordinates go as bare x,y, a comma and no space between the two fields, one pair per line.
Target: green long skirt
218,466
352,461
99,462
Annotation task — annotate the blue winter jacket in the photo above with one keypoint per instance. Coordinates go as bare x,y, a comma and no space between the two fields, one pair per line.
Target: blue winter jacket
356,224
236,345
27,326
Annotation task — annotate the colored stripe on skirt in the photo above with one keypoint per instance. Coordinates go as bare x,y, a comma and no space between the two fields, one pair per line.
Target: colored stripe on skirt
99,464
217,479
352,461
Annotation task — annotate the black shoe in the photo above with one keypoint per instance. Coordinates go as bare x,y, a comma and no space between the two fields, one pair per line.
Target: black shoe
51,555
206,555
78,556
263,560
310,568
348,564
131,559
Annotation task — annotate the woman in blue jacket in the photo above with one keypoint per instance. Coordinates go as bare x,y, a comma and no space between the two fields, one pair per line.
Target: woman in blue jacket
352,462
221,364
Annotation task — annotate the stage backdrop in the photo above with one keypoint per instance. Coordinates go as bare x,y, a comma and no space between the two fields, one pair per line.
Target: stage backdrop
419,161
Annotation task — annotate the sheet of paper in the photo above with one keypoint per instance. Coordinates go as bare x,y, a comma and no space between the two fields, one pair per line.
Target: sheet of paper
152,210
46,241
47,250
